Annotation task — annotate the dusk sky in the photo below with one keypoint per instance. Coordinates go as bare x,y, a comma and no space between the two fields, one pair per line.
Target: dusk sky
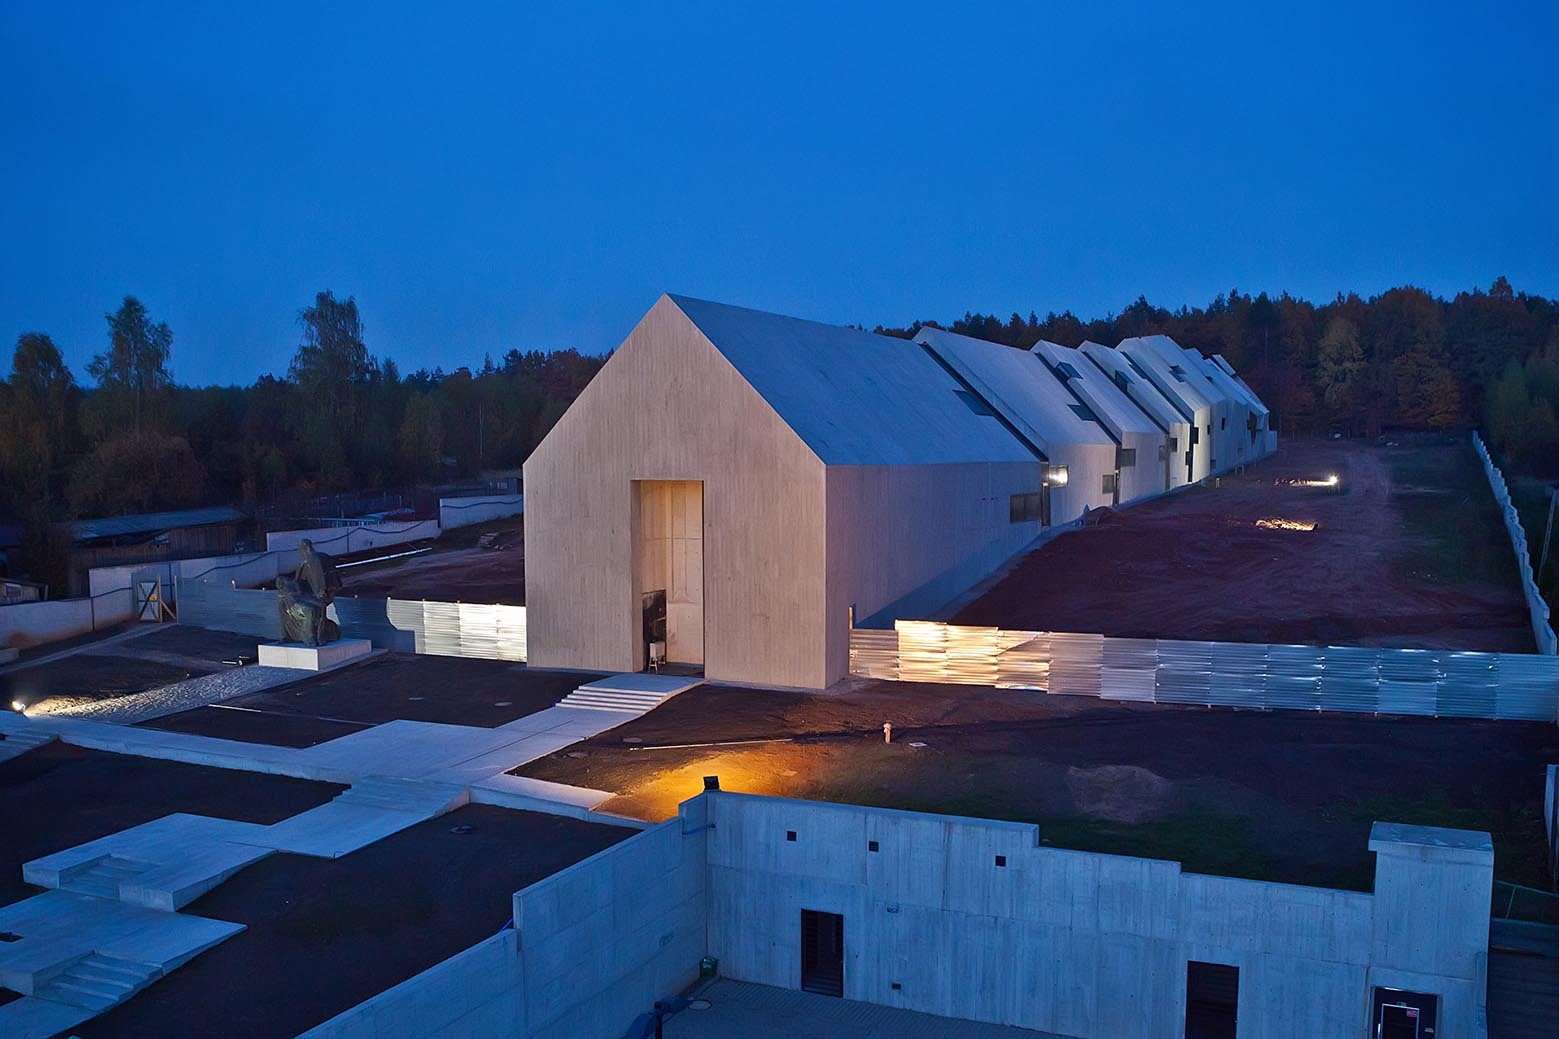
483,178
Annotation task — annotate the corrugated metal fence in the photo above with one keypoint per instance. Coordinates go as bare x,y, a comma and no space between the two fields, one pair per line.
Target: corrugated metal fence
447,629
1542,623
1440,683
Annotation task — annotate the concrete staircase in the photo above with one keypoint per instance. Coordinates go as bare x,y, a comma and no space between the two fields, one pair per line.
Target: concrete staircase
97,982
628,693
101,877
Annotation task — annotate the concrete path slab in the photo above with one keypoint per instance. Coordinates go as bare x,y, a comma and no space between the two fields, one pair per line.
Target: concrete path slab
57,928
163,864
370,811
34,1018
522,792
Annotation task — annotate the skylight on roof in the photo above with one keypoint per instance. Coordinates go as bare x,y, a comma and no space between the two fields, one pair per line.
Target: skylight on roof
1067,370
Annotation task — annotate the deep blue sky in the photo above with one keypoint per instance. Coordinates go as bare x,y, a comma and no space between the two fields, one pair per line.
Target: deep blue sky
494,177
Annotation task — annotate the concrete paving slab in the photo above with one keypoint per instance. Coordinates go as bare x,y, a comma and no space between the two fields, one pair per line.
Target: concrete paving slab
405,748
370,811
162,864
58,928
34,1018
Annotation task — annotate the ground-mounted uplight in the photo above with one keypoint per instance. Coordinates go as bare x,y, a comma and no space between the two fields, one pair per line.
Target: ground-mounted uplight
1278,523
18,707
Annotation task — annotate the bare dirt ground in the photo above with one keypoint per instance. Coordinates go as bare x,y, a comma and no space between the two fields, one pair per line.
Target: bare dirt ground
1407,551
1271,795
325,934
456,570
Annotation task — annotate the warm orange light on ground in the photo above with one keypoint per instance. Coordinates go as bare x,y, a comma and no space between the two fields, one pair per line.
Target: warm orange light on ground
1276,523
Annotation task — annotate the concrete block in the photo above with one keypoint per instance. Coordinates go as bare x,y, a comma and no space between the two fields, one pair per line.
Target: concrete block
313,658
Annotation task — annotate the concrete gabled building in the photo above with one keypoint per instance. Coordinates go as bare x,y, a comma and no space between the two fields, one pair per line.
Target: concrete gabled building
733,483
1259,426
1159,360
1140,390
1143,461
1027,395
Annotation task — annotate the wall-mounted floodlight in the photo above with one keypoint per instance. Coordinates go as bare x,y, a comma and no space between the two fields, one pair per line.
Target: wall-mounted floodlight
1056,476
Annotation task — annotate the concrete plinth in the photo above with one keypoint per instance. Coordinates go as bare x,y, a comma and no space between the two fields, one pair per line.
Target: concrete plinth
314,658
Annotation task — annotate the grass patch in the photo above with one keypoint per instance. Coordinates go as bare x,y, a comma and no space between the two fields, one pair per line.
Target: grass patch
1202,842
1448,510
1517,829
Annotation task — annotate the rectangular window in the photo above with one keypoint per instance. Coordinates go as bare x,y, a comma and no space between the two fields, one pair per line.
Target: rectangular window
1123,382
1174,443
1223,423
1109,483
1178,372
1026,508
1196,435
1067,370
1125,457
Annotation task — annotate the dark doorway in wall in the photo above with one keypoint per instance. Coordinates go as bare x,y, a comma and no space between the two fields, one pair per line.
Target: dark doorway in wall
1404,1015
822,953
1212,999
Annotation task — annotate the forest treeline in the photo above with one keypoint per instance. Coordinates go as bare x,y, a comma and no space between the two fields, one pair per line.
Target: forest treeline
134,440
1403,360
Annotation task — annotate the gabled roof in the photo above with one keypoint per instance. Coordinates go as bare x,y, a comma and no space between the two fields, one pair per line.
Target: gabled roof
854,398
1160,356
1250,394
1116,411
1141,391
151,522
1017,383
1232,388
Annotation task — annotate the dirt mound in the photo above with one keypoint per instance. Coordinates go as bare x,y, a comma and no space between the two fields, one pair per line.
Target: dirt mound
1120,793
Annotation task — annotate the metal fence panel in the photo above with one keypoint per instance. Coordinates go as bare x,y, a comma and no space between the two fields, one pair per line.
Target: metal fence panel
1357,679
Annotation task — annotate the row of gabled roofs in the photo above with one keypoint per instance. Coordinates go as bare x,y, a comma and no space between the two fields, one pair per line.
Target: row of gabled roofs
1141,418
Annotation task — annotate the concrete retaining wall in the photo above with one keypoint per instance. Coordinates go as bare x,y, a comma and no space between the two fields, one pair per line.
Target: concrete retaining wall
965,918
246,570
1537,606
474,994
448,629
339,541
33,623
463,512
1084,944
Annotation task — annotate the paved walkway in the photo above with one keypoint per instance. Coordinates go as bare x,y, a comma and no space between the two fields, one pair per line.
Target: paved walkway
738,1010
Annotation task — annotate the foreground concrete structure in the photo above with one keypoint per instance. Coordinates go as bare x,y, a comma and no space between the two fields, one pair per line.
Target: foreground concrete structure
1073,943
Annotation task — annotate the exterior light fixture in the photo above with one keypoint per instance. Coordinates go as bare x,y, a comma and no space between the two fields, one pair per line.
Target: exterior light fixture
1056,475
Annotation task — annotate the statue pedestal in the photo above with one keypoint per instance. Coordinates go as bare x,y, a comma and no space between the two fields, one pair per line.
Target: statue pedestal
313,658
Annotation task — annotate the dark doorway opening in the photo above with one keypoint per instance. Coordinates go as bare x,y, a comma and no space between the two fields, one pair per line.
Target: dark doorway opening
822,953
1404,1015
1212,1000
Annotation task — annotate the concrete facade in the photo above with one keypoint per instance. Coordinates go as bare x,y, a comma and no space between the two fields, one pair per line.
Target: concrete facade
1157,359
961,918
1141,392
837,469
1143,460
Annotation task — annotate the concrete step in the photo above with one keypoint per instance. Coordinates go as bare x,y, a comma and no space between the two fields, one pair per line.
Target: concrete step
626,701
97,982
102,876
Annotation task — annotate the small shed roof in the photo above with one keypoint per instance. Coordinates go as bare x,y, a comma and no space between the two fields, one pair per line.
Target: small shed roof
151,522
854,397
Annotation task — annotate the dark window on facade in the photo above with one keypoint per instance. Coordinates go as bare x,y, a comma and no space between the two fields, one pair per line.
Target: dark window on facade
1125,457
1178,372
1196,435
1109,483
1223,423
1122,381
1067,370
1026,508
1082,412
1174,443
871,845
1001,860
790,835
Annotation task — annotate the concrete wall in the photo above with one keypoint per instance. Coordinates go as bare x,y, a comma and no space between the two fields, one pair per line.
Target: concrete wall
246,569
474,994
463,512
1084,944
601,941
338,541
905,540
481,630
1151,475
33,623
668,406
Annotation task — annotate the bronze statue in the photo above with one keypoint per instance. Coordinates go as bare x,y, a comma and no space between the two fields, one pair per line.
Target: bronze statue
304,598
